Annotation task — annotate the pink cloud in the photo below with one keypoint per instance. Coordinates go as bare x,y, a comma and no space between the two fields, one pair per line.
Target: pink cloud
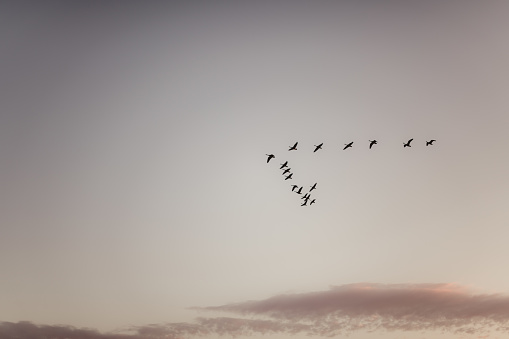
378,306
339,310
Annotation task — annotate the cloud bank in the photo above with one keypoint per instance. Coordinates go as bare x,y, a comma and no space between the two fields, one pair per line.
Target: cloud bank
405,307
339,310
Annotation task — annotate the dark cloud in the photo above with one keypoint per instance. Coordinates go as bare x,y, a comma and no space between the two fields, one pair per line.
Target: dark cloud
201,327
27,330
339,310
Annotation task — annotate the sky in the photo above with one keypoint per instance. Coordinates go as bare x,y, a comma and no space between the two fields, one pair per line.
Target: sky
137,201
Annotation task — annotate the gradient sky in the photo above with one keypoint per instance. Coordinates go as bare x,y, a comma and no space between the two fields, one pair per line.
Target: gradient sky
135,188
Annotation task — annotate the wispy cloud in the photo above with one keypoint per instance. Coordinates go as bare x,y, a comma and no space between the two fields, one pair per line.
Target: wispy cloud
339,310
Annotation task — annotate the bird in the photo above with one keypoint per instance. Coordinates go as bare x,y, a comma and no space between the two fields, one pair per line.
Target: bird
430,142
313,187
289,176
286,170
304,203
348,145
372,142
283,165
305,196
312,202
408,143
317,147
294,147
294,187
270,156
299,191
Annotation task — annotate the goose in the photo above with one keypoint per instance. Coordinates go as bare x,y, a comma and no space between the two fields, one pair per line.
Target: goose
299,191
430,142
348,145
408,143
289,176
270,156
372,142
313,187
312,202
294,147
317,147
286,170
283,165
294,187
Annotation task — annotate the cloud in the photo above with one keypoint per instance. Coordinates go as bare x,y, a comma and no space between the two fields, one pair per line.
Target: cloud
201,327
408,307
25,330
339,310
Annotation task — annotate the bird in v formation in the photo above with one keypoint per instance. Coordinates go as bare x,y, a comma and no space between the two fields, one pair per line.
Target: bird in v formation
408,143
348,145
317,147
307,196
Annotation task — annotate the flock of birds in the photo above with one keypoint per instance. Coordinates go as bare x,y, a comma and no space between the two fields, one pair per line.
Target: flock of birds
307,196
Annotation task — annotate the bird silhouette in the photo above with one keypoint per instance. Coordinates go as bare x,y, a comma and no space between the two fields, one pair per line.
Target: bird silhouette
305,196
408,143
372,142
283,165
294,147
348,145
313,187
294,187
299,191
305,203
286,170
289,176
430,142
270,156
317,147
312,202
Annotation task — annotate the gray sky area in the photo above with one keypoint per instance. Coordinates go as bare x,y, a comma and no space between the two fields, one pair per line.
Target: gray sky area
137,201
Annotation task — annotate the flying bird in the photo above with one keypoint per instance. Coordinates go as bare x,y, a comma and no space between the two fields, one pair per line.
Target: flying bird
313,187
270,156
294,147
430,142
286,170
306,196
372,142
299,191
289,176
283,165
317,147
408,143
294,187
312,202
304,203
348,145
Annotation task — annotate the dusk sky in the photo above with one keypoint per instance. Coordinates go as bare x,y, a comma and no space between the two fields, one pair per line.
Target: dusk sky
137,201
